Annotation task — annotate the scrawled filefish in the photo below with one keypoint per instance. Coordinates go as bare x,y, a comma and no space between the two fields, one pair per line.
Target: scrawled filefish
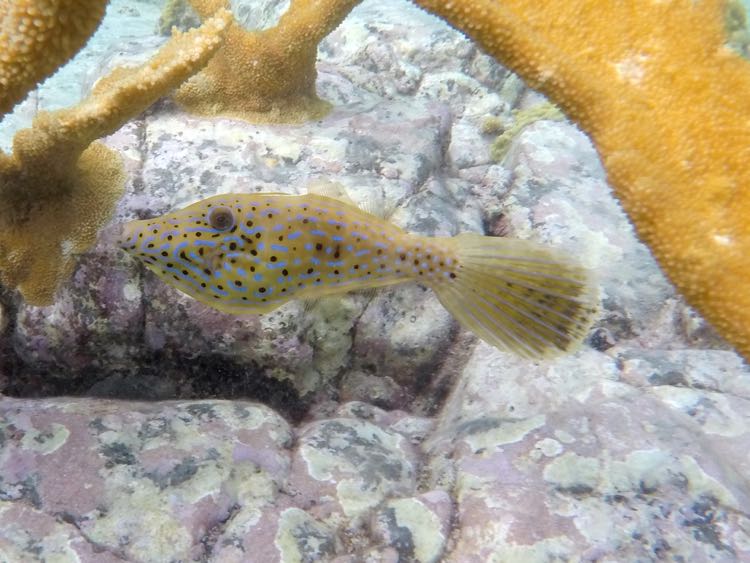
250,253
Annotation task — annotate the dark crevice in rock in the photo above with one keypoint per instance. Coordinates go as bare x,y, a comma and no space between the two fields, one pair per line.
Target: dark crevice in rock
8,314
159,377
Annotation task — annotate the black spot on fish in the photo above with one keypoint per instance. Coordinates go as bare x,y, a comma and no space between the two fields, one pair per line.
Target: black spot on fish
317,246
261,289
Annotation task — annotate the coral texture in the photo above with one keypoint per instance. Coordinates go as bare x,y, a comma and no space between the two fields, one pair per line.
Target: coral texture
666,103
38,37
57,188
266,76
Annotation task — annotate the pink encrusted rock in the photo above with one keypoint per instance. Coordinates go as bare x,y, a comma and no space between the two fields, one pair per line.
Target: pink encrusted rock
117,471
403,335
284,533
590,457
417,527
28,534
343,467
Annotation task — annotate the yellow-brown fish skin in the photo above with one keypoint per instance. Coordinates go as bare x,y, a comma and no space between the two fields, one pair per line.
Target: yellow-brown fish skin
279,248
250,253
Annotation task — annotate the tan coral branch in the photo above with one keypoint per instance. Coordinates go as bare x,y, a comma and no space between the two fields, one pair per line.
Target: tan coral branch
667,105
266,76
37,37
58,188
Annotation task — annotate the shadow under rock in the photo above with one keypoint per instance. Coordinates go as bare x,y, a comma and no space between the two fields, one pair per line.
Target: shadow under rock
155,378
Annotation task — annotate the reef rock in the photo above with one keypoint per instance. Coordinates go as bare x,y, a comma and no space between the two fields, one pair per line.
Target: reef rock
590,457
378,430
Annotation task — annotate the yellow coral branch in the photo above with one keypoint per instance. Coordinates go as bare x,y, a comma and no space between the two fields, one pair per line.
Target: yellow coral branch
667,105
266,76
37,37
57,188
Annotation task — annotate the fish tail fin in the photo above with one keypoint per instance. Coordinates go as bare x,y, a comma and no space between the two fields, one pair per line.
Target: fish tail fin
517,295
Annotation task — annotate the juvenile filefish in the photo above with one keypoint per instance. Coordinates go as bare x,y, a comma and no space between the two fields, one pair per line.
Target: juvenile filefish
250,253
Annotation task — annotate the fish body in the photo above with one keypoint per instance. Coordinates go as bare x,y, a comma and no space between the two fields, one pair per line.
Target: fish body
250,253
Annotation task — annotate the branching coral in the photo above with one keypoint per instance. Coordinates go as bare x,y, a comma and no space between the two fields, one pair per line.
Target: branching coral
38,37
269,75
667,105
57,188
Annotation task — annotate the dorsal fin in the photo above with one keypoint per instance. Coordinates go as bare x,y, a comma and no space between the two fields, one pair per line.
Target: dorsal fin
337,191
334,190
382,209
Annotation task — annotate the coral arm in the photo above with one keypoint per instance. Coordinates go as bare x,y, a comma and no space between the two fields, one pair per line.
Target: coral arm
667,106
37,37
58,188
269,75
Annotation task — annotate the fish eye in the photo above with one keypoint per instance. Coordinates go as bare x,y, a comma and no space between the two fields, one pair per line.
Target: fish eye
221,218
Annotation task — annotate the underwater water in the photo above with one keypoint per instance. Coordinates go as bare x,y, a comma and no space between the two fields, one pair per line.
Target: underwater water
138,423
